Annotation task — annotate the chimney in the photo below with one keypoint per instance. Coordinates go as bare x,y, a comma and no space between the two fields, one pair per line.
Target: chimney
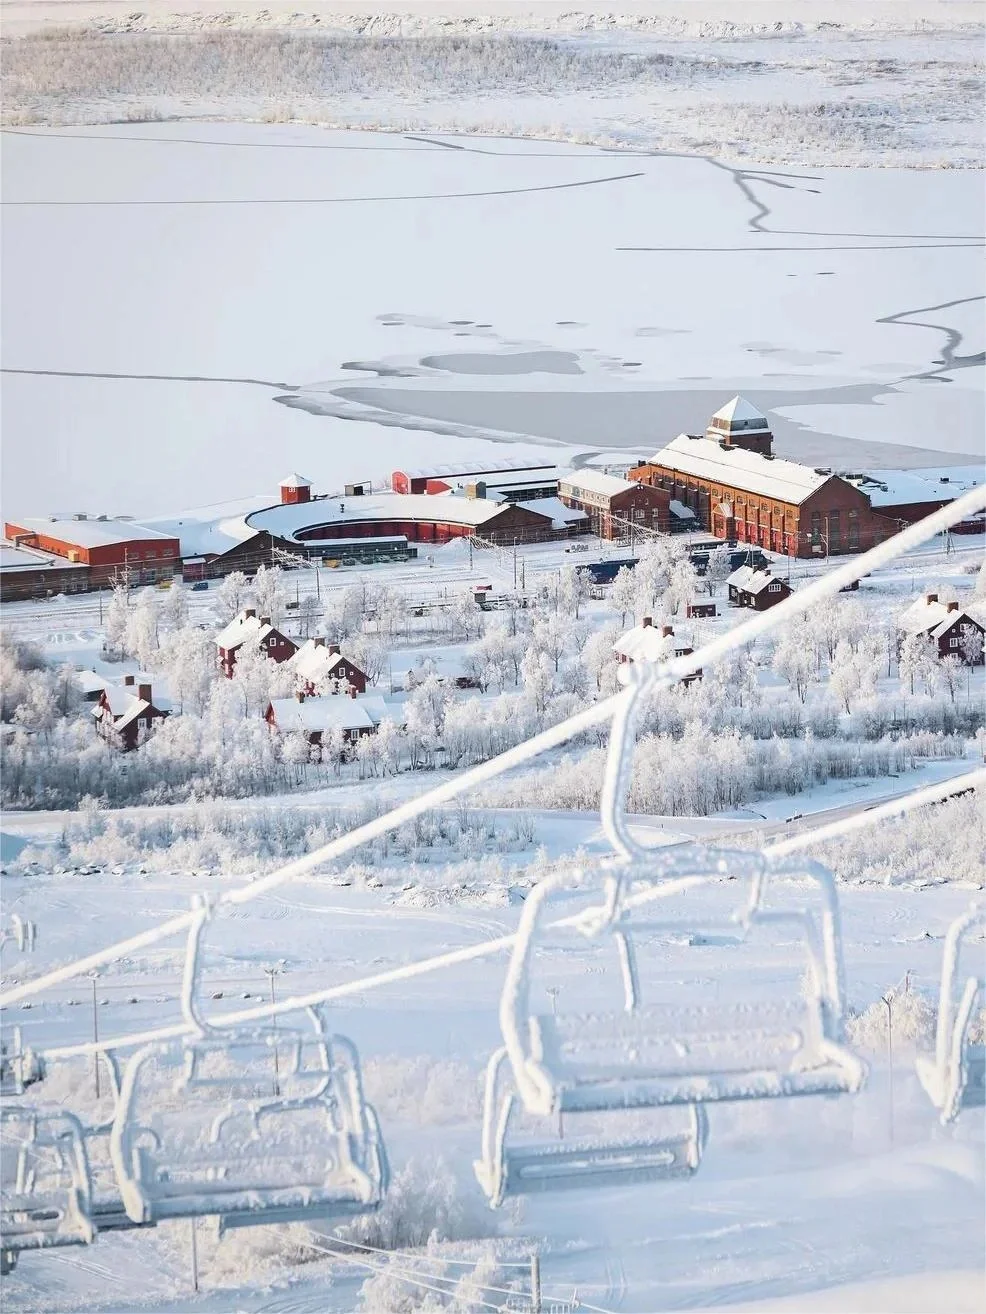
128,679
647,622
334,650
667,631
249,613
265,620
930,598
144,693
319,641
951,606
300,695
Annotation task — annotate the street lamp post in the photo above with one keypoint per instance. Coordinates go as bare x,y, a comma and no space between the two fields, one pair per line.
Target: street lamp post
271,972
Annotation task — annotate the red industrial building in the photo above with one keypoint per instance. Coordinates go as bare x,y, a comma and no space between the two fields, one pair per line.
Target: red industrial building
25,573
615,507
114,550
740,492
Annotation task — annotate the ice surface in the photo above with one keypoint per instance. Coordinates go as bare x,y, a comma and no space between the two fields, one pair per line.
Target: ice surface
316,261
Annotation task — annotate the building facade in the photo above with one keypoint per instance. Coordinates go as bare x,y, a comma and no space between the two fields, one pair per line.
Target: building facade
740,492
616,507
116,551
757,589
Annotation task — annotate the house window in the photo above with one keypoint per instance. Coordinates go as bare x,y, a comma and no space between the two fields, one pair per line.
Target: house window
774,588
953,642
271,643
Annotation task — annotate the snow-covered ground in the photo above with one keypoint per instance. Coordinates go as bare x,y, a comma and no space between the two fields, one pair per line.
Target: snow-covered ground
343,284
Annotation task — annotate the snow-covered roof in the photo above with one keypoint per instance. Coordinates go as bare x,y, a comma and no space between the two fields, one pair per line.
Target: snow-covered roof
89,682
595,481
561,515
751,580
380,707
508,479
736,468
294,481
21,558
646,643
240,629
200,536
286,520
125,706
905,487
935,617
739,413
90,532
320,714
313,661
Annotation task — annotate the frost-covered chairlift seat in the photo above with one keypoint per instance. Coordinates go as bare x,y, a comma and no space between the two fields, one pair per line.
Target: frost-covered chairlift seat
658,1056
264,1127
955,1078
44,1182
20,1066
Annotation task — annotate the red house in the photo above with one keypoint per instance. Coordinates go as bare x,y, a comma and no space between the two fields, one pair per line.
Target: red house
321,668
248,628
125,714
646,643
315,717
756,588
951,627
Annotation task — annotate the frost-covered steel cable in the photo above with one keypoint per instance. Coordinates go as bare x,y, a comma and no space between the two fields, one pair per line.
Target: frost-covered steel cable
896,807
668,673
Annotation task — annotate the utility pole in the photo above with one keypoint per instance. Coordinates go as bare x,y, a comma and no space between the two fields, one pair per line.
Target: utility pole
271,973
95,1031
552,991
888,1000
535,1284
195,1256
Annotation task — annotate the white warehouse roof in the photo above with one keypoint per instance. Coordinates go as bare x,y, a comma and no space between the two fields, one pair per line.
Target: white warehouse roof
595,481
734,467
287,520
90,532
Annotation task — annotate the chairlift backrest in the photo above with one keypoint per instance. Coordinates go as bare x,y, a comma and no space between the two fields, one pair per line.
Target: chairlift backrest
20,1066
654,1053
263,1126
44,1180
956,1077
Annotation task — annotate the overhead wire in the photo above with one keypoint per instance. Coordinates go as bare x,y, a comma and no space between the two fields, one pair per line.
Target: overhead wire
670,672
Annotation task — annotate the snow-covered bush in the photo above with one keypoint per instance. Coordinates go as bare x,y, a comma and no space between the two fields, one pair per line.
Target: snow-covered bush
425,1202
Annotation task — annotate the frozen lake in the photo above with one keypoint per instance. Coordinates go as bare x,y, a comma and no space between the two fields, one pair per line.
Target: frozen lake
190,310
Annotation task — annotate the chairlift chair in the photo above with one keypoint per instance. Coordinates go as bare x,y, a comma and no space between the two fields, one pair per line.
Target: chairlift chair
955,1078
44,1182
653,1055
20,1066
260,1126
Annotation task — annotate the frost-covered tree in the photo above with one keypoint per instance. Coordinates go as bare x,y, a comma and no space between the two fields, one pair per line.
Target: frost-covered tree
682,584
622,593
597,654
143,629
794,662
913,659
230,597
173,609
573,590
719,569
971,645
116,621
950,674
851,674
268,592
187,660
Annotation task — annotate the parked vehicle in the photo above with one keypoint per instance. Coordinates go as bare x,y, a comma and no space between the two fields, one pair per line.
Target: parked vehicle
199,585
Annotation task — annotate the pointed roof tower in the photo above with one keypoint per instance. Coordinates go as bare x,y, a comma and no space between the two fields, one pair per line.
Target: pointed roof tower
740,424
